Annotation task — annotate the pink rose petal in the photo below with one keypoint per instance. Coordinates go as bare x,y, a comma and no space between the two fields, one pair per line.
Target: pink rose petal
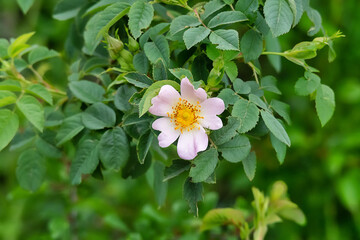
192,142
190,94
212,106
162,103
168,133
212,122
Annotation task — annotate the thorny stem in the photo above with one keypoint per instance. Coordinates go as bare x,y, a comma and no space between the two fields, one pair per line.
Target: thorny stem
198,17
212,143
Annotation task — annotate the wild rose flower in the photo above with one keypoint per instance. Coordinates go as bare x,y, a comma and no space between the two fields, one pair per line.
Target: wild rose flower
185,116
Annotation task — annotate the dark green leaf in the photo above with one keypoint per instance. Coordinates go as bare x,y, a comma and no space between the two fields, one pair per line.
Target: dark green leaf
236,149
41,53
248,114
67,9
268,83
241,87
278,16
122,97
159,70
193,36
205,164
249,165
180,73
87,91
140,16
160,187
98,116
251,45
280,148
227,132
143,146
211,7
193,194
141,63
9,124
227,39
275,127
228,96
25,5
227,17
282,109
159,48
69,129
177,167
183,22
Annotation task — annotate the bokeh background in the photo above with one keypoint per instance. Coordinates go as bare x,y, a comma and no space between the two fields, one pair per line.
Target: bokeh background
321,169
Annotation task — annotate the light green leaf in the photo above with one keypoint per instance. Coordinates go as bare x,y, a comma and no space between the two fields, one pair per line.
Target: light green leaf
158,49
282,109
25,5
249,165
4,44
32,110
101,22
180,73
19,44
40,91
69,129
67,9
205,164
140,16
306,85
143,146
151,92
227,17
193,194
211,7
278,16
275,127
315,17
98,116
294,214
9,124
248,114
183,22
280,148
177,167
231,70
141,63
251,45
325,103
227,39
41,53
7,98
236,149
268,83
225,133
114,148
85,161
87,91
193,36
222,216
297,9
10,85
30,170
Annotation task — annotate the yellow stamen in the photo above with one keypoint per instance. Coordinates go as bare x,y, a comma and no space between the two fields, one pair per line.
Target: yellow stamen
185,115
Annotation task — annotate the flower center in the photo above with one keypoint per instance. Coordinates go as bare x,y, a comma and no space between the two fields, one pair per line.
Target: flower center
185,115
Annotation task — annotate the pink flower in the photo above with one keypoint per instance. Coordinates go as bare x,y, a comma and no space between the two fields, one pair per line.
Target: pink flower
185,116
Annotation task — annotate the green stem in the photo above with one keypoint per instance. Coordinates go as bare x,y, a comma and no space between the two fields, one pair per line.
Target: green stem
273,53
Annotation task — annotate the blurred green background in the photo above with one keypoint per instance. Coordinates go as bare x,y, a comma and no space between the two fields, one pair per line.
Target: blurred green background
322,167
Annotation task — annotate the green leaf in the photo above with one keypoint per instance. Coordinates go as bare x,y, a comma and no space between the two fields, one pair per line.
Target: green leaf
180,73
227,17
257,100
183,22
158,49
268,83
278,16
85,161
10,85
193,194
231,70
228,96
249,165
46,149
315,18
251,45
248,114
273,45
32,110
67,9
280,148
222,216
325,103
225,133
275,127
193,36
297,9
87,91
114,148
69,129
211,7
151,92
7,98
247,6
98,116
159,70
25,5
293,214
261,25
241,87
41,53
141,63
306,85
19,44
177,167
40,91
303,50
143,145
100,23
122,97
9,124
160,187
30,170
236,149
4,44
205,164
282,109
227,39
138,80
140,16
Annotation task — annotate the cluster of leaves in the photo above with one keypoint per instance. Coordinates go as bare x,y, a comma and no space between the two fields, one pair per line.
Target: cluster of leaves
102,121
268,210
